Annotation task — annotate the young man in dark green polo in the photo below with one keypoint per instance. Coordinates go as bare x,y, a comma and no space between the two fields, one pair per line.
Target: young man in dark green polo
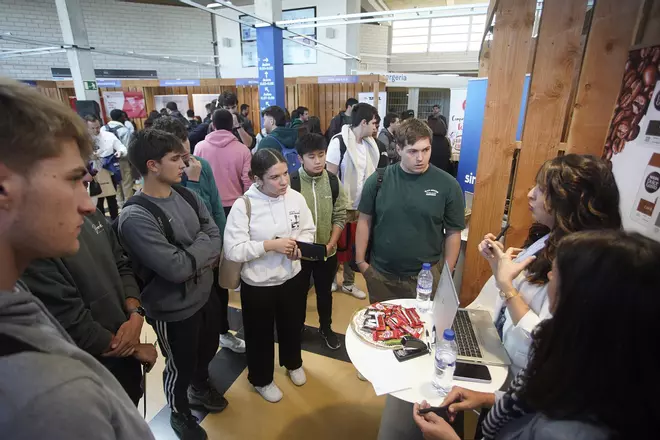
417,215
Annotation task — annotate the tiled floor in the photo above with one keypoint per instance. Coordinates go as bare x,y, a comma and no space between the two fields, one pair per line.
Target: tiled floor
333,404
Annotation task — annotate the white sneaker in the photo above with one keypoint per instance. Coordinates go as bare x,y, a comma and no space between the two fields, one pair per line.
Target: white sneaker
353,290
270,392
335,287
233,343
298,376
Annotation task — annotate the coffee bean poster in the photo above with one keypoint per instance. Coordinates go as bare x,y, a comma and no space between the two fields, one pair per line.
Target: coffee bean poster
633,142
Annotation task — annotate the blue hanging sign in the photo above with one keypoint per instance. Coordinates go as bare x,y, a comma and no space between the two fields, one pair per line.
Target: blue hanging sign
179,82
29,82
270,62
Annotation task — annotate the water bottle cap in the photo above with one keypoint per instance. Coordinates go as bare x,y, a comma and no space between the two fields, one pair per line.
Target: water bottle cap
449,335
426,266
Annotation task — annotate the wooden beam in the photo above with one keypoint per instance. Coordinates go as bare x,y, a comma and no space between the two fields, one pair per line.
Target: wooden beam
485,46
651,34
557,58
510,49
611,34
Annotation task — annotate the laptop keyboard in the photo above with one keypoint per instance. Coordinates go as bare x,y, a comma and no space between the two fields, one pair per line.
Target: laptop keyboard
466,340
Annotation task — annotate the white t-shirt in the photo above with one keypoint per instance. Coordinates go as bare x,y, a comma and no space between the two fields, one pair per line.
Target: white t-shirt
334,156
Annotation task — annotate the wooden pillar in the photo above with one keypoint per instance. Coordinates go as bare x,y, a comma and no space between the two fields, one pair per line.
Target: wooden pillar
509,52
611,34
554,66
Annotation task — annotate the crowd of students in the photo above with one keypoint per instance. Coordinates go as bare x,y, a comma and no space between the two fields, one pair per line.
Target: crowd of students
574,308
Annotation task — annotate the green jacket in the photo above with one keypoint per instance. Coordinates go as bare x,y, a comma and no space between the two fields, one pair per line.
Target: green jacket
207,190
287,136
318,195
296,123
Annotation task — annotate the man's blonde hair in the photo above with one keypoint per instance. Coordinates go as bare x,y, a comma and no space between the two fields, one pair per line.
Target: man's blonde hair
32,127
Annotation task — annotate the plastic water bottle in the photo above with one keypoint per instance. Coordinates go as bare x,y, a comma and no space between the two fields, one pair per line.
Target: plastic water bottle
424,288
445,362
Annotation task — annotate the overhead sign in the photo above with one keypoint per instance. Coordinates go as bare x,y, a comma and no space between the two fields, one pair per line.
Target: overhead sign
65,73
271,68
90,85
341,79
108,83
247,81
179,82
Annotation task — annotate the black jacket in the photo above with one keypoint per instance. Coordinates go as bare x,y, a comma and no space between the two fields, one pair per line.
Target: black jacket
86,292
336,124
440,146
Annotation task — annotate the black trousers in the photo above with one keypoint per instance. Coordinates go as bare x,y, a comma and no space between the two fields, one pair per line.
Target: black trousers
188,347
264,308
223,296
226,209
112,206
128,372
324,273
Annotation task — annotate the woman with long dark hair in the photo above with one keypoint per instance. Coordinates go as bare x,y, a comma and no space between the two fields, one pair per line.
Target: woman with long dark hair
572,193
593,362
261,232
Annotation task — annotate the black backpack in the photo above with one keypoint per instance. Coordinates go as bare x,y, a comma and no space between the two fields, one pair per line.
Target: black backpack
163,222
334,184
113,130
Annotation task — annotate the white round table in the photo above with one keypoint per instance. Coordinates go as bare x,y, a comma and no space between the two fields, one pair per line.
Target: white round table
375,363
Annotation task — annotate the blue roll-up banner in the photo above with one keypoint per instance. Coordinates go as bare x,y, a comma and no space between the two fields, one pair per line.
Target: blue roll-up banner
473,126
270,62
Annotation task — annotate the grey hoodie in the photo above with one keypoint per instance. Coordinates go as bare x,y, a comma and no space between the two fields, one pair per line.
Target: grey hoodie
179,288
59,391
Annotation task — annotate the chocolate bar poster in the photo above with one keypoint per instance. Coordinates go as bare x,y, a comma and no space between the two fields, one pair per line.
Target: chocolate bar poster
633,142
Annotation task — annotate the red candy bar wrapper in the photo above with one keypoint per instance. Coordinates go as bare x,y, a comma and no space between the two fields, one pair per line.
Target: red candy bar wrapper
377,306
387,334
381,322
418,322
393,322
403,318
406,313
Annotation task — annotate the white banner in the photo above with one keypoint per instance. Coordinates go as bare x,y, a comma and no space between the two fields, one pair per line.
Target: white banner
200,101
181,102
456,117
368,97
633,143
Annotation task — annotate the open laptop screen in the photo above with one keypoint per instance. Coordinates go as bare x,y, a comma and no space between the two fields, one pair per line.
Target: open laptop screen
445,303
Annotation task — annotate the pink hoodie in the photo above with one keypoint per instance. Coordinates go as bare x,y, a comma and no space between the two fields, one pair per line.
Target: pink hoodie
230,162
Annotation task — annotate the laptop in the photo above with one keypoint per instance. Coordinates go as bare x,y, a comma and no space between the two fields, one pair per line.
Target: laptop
476,337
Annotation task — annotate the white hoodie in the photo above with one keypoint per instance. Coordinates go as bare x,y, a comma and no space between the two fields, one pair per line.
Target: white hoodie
283,217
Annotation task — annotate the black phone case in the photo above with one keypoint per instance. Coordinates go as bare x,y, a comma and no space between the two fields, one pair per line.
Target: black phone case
312,251
402,355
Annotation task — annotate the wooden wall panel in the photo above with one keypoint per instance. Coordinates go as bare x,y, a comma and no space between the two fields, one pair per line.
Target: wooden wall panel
510,49
554,66
611,34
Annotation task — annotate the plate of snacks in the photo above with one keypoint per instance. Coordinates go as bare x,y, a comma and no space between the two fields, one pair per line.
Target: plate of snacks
383,325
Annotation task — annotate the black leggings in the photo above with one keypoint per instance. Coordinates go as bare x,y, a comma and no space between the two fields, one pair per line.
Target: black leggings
112,206
267,307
